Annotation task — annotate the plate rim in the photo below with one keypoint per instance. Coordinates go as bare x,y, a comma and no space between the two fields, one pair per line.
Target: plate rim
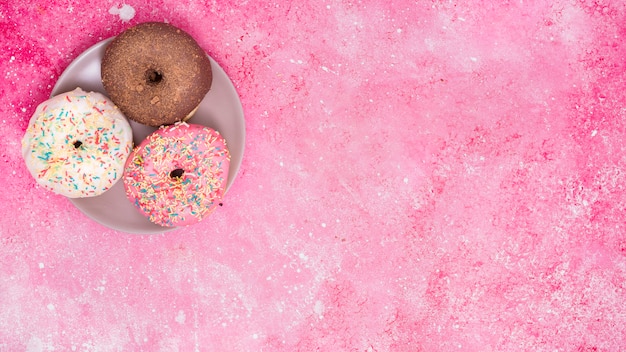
237,107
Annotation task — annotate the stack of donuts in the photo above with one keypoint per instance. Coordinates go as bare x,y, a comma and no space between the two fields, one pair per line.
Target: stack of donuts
79,144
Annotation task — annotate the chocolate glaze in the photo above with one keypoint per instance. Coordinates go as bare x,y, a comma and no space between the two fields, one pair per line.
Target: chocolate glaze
155,73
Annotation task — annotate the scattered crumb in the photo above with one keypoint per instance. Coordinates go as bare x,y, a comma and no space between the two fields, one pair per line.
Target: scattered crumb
126,12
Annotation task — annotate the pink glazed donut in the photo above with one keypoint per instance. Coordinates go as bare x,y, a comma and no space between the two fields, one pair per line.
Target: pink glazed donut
177,175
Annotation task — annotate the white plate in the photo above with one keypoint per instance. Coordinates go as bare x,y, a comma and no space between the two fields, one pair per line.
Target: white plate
220,109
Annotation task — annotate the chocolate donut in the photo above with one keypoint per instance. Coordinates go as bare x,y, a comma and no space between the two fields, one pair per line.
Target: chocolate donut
155,73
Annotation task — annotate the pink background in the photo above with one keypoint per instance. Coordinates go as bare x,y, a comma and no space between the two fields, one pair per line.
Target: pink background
418,176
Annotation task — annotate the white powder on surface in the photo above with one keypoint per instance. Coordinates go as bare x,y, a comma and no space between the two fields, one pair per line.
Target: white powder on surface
180,317
318,308
34,345
126,12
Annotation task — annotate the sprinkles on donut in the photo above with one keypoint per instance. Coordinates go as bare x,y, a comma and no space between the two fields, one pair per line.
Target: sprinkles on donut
177,175
76,144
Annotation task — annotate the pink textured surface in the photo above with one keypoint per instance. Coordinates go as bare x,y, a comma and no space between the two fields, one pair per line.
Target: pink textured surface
418,176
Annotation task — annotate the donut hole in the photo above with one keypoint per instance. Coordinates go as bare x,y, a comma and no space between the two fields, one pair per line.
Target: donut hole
77,144
153,77
177,173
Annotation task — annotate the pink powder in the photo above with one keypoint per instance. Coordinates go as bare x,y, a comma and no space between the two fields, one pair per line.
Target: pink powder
418,176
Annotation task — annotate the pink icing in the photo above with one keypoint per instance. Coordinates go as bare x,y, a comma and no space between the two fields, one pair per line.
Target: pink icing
177,175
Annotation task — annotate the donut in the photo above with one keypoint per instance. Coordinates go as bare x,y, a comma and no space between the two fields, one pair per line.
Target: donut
155,73
76,144
177,175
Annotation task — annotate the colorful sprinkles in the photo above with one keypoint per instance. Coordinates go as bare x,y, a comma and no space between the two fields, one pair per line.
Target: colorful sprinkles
72,151
177,175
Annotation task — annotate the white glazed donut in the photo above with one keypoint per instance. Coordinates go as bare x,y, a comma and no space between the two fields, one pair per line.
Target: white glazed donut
76,144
